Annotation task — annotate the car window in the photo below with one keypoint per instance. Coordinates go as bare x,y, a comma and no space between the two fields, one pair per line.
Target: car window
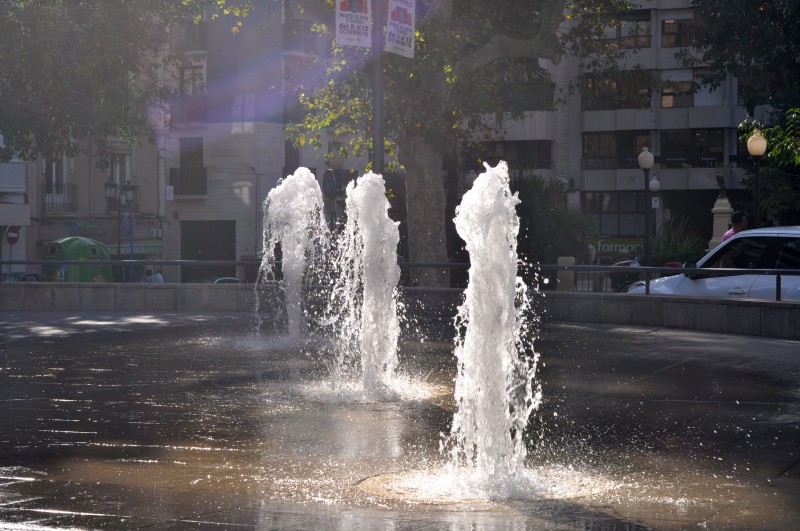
745,253
788,256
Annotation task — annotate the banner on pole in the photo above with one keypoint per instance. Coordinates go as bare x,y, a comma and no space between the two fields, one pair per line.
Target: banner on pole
354,23
400,28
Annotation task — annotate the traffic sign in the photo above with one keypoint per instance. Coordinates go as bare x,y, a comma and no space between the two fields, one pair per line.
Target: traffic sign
12,234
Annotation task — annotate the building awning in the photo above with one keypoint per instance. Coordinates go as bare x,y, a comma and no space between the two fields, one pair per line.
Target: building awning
140,247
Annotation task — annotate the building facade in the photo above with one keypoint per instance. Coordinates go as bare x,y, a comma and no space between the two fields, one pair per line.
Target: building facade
196,192
193,187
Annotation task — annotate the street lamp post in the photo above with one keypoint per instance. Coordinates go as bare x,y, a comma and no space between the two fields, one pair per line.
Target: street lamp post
646,160
118,199
756,146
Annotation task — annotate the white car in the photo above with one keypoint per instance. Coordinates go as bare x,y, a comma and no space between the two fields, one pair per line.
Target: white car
767,248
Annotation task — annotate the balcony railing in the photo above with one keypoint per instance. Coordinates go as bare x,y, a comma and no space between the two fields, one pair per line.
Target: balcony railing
59,199
189,181
129,204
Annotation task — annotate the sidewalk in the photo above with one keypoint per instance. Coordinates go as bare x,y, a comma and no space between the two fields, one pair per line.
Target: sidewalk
184,421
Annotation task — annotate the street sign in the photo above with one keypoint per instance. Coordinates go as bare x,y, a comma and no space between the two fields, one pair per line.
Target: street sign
12,234
655,201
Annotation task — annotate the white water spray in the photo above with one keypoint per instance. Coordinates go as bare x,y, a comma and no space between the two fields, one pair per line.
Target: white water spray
294,219
494,388
364,300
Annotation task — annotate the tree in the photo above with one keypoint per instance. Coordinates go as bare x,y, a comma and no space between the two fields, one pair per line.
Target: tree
72,70
755,40
469,59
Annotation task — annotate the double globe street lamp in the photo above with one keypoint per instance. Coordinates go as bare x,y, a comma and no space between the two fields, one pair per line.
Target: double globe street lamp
646,160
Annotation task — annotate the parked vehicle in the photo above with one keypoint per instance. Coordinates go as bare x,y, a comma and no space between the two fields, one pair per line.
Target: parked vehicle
766,248
227,280
20,276
623,280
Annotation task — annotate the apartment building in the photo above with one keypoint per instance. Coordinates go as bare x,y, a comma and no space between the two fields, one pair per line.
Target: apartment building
197,192
194,192
15,214
592,143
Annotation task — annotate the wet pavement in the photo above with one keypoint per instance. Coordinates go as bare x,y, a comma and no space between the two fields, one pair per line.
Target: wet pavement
180,421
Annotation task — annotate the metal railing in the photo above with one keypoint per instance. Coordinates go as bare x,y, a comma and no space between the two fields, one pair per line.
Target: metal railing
581,278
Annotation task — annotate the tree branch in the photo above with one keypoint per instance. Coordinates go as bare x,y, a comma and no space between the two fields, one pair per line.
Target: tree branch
545,45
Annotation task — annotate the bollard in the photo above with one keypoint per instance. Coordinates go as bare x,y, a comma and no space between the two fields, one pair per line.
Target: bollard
566,279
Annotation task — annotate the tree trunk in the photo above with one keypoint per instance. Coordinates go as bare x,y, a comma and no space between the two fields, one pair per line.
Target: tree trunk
425,200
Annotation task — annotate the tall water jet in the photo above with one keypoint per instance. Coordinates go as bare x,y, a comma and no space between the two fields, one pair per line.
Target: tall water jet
494,389
294,219
364,301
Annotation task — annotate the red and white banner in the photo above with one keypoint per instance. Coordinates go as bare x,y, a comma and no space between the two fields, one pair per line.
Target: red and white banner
354,23
400,28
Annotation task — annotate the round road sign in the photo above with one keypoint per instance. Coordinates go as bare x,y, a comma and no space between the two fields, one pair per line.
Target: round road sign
12,234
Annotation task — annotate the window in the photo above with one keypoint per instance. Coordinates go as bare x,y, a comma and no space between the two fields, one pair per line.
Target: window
54,175
522,156
120,168
630,91
676,94
634,92
192,82
616,213
599,94
609,151
692,148
676,32
750,254
788,254
191,177
599,151
632,30
189,36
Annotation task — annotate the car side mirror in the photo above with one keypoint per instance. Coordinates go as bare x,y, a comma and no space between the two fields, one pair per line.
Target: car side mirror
691,275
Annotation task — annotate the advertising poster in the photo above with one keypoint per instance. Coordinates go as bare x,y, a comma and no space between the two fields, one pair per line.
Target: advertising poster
354,23
400,28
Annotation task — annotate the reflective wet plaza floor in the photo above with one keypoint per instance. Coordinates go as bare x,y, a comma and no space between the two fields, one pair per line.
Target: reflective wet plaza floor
178,421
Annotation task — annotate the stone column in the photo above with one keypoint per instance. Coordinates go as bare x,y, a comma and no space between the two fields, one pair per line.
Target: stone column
722,214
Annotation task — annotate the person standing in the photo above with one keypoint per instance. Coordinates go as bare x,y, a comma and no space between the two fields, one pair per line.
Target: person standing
158,278
738,224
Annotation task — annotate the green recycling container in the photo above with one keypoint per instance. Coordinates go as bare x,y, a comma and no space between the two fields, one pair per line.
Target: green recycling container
76,248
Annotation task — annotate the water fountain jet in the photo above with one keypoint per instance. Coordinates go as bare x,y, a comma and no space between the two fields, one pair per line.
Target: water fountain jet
294,219
364,302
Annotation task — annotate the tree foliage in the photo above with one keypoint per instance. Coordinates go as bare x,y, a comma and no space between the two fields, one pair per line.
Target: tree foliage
471,57
755,40
548,226
72,70
780,178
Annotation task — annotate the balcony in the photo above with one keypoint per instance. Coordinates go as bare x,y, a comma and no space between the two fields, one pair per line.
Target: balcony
188,181
59,199
127,200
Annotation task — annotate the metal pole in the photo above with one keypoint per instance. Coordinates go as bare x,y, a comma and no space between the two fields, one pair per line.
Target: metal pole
647,214
119,235
131,229
756,214
377,87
